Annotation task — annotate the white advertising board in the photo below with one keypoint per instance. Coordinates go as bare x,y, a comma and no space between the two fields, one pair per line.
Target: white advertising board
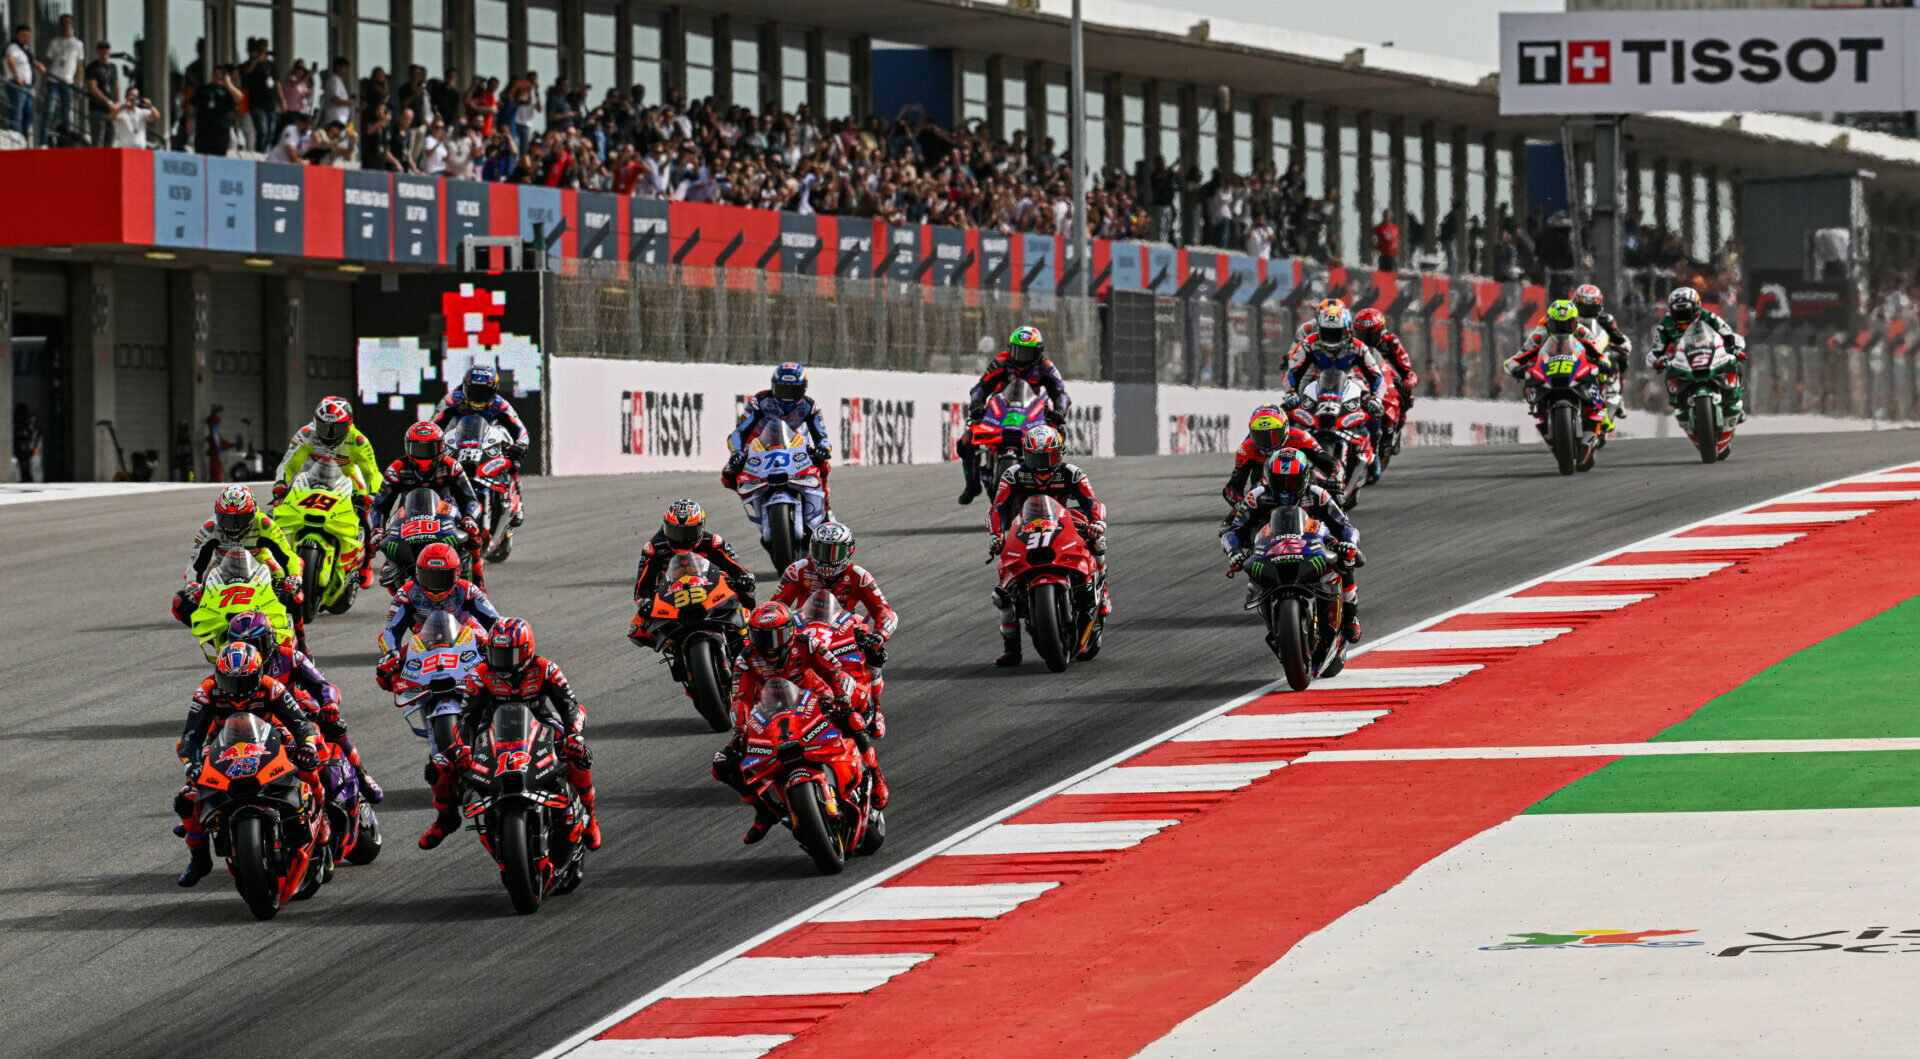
1783,61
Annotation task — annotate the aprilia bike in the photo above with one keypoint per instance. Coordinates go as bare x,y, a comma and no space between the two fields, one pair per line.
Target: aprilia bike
1563,386
1003,426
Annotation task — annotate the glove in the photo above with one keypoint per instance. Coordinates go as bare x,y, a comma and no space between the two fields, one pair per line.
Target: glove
574,749
461,757
516,452
1349,552
289,587
1511,366
868,638
305,757
999,542
842,702
817,454
468,526
746,586
192,766
1374,407
729,479
279,491
384,671
975,411
1054,418
1237,560
330,715
1228,494
183,801
736,461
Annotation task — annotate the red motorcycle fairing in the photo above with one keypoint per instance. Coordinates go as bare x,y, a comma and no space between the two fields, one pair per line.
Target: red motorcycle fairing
1046,546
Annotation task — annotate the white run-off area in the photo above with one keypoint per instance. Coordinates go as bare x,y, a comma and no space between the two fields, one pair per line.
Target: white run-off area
1409,972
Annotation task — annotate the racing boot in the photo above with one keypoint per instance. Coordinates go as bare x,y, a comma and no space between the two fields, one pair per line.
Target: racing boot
1350,627
972,473
880,793
199,863
1009,648
763,818
446,800
593,819
443,825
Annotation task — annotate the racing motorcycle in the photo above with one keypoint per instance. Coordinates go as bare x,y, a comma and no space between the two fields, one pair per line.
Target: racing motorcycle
320,521
1003,426
261,817
853,643
424,518
481,447
1048,571
1703,371
1563,383
780,489
804,770
235,582
427,674
696,620
1294,582
527,815
351,821
1333,409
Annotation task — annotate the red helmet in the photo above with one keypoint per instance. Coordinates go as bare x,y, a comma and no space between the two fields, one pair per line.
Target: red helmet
237,670
332,420
423,445
436,570
1369,324
234,511
770,628
1588,299
1287,472
684,524
509,645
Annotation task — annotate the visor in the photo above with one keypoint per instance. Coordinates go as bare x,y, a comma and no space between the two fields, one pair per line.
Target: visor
507,659
789,391
233,524
771,641
237,685
1025,355
330,433
680,537
435,581
479,395
1041,462
832,555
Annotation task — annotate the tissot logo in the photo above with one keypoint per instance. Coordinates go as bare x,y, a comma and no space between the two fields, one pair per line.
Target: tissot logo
1589,62
1706,60
1540,62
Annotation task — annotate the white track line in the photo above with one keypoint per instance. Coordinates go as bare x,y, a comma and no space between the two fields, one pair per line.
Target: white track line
1791,518
1078,837
799,975
1730,543
1644,572
1476,639
1851,496
745,1046
1724,746
1554,604
979,901
946,845
1320,725
1351,679
1175,779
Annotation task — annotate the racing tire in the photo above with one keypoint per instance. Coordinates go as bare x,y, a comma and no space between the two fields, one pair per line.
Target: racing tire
709,687
1044,607
780,543
516,859
313,567
501,545
250,874
1290,634
1563,435
1703,420
367,846
875,835
810,827
348,593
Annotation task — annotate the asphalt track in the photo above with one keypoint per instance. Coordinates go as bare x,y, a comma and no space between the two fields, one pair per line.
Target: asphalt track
419,953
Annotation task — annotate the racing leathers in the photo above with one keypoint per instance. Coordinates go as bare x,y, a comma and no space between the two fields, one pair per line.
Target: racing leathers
853,588
1612,360
209,709
658,551
269,545
803,415
1666,339
1349,356
353,455
1257,508
320,699
1251,458
1041,375
467,603
444,476
1522,362
1387,346
499,411
1071,486
541,685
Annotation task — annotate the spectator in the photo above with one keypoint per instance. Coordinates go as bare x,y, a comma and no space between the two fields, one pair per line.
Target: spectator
331,144
376,140
561,110
22,68
336,98
443,93
523,106
296,93
1260,237
462,146
103,93
65,62
130,117
295,140
214,104
483,102
413,96
1386,242
262,90
433,150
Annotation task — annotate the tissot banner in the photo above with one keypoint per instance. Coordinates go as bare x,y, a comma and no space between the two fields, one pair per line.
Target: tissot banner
1782,61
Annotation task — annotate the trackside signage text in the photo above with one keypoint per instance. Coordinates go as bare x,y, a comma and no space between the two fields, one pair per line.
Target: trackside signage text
1782,61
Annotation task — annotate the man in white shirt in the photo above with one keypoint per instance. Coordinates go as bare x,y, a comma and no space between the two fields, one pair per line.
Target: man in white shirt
20,70
433,149
131,116
336,101
65,59
295,139
1259,238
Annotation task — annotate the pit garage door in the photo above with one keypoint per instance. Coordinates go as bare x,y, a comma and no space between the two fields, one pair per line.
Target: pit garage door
328,314
238,339
141,343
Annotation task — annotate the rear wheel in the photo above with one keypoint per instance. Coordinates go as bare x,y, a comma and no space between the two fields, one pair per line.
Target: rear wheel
314,578
1291,640
367,846
516,859
501,544
779,535
250,874
810,827
1704,421
702,660
876,833
1044,606
1564,436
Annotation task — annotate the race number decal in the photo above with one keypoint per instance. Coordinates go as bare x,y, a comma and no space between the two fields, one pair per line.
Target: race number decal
1041,539
684,596
424,525
318,501
236,596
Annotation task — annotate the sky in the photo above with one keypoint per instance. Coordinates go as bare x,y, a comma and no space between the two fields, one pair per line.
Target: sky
1459,29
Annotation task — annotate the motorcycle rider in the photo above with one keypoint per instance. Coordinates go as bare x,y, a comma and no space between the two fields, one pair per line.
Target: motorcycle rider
786,400
1290,481
315,694
829,567
1025,359
479,394
1683,310
776,648
239,684
332,438
1370,327
238,522
1332,345
683,531
1304,333
1269,431
1042,471
424,462
436,586
1562,319
512,672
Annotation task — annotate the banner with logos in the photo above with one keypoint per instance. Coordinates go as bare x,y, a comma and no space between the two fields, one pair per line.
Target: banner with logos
1795,61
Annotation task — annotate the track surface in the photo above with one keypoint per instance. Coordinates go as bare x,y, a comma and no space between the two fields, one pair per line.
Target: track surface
420,953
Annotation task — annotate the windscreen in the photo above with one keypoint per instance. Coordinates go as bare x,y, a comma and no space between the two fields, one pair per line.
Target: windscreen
236,565
423,503
1700,338
439,630
469,428
780,696
321,474
243,727
1042,507
821,608
775,434
686,565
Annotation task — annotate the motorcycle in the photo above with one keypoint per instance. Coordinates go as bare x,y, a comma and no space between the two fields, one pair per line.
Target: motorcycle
1048,571
851,641
1294,582
351,821
235,582
808,773
427,675
527,815
481,447
1003,426
1703,371
320,520
1332,409
1563,384
697,620
780,489
425,517
261,816
1612,393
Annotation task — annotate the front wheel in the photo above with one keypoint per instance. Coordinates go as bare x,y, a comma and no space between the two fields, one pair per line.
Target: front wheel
1703,420
708,684
511,840
779,535
810,827
314,571
499,514
1044,607
367,846
250,875
1564,435
1291,642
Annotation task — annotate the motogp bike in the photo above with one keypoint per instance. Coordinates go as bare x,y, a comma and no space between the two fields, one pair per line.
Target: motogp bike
807,772
696,621
1048,571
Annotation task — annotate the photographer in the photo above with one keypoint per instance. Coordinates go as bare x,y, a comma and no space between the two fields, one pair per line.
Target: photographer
262,89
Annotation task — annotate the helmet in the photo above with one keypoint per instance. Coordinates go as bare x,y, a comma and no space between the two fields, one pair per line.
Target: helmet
436,570
832,548
509,645
1287,472
422,445
1333,325
1268,427
1588,299
255,629
480,386
332,420
789,382
771,627
1562,318
237,670
1042,451
684,524
1325,304
234,512
1025,346
1684,304
1369,324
